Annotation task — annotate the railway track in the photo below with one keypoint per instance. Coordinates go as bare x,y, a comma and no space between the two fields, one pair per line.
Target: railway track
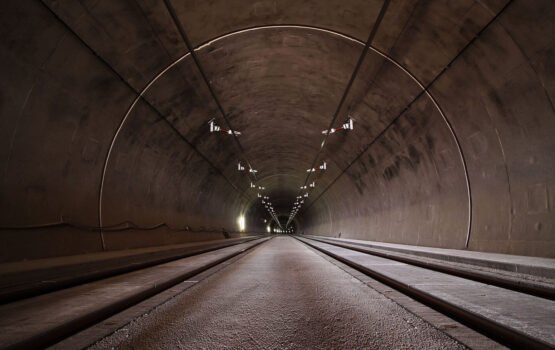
509,315
497,306
43,320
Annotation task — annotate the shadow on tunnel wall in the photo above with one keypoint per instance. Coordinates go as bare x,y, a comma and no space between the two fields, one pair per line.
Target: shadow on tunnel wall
409,186
61,108
467,165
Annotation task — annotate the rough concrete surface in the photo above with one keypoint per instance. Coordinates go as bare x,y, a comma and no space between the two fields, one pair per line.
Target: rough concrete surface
280,296
452,146
519,313
33,323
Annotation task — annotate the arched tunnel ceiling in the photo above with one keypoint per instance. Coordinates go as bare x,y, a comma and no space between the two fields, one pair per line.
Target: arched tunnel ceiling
280,81
279,70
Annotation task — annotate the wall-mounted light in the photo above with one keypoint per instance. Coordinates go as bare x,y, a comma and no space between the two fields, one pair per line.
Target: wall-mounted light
216,128
347,125
213,126
241,223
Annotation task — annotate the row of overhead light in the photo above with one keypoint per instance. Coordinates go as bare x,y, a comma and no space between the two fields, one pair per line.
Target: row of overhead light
278,230
264,199
299,200
346,126
268,205
213,127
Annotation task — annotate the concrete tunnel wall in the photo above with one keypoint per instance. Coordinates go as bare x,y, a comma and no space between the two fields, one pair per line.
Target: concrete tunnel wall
468,163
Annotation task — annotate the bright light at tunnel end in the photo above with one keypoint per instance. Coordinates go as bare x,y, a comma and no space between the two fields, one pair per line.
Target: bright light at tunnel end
241,223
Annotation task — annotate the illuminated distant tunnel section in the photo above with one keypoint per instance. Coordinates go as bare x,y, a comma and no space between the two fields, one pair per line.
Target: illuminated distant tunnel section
210,120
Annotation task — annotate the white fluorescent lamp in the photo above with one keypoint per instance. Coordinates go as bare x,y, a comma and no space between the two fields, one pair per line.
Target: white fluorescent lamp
213,126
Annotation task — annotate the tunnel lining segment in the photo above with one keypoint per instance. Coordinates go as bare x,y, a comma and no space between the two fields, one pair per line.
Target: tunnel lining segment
139,96
183,33
361,59
424,91
120,128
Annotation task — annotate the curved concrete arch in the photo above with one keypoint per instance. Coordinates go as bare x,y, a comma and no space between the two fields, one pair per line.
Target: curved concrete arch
309,28
105,123
114,138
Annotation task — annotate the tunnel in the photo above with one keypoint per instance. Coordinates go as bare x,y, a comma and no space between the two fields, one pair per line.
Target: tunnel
140,126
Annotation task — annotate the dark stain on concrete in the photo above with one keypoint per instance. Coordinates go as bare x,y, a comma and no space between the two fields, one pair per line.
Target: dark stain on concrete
414,155
391,171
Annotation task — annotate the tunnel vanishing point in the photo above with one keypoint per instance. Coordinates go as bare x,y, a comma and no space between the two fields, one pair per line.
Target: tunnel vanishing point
411,127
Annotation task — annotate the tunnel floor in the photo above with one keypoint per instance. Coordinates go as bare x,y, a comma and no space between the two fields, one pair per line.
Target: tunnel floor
282,295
